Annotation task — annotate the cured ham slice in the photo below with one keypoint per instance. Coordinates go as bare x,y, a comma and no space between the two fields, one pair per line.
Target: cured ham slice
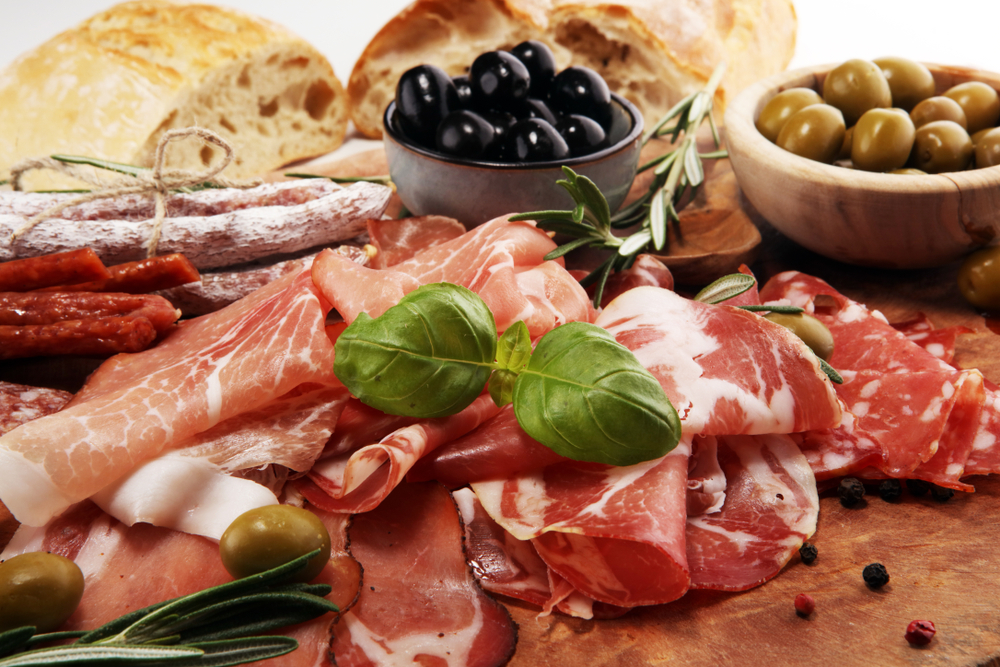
358,481
353,289
399,240
770,508
726,371
647,270
419,603
204,372
615,534
912,415
130,568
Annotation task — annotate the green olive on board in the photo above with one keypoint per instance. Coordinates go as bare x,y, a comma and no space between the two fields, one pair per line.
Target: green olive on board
816,133
781,107
941,146
987,147
980,103
882,140
266,537
979,279
39,589
812,332
909,81
856,86
938,108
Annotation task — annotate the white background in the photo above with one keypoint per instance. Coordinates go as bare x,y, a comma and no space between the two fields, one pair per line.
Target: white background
956,32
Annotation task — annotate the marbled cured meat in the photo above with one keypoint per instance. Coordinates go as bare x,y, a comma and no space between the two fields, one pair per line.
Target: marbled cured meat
399,240
205,371
770,508
726,371
20,404
646,271
419,602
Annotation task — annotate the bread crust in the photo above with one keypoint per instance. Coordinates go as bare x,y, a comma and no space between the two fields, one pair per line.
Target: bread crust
653,52
111,85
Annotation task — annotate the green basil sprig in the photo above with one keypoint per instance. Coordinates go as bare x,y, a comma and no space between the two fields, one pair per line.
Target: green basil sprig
580,393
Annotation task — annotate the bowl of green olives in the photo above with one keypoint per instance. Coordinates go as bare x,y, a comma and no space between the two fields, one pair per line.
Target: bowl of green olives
887,163
492,142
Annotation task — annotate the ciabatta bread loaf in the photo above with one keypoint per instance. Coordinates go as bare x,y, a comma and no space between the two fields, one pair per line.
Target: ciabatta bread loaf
110,86
653,52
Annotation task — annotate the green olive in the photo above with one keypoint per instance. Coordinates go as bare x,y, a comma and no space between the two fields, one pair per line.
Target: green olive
909,81
812,332
266,537
780,108
39,589
816,132
979,279
938,108
882,140
941,146
856,86
987,148
845,147
980,103
976,136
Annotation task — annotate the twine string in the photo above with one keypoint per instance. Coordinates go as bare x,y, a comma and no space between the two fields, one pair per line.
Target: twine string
157,181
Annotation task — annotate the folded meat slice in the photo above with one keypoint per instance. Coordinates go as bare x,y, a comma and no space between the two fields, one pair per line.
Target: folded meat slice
399,240
615,534
419,602
359,480
770,508
136,405
726,371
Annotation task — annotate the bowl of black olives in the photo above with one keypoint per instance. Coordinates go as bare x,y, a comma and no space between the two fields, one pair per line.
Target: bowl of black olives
494,141
888,163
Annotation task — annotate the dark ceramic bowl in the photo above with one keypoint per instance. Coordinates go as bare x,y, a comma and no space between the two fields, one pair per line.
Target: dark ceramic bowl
430,183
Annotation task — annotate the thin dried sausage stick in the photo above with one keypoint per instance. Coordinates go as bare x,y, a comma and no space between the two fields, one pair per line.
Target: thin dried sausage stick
104,336
226,239
61,268
42,308
142,277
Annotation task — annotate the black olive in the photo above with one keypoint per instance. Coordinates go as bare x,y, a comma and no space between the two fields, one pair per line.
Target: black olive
534,140
581,90
499,81
465,134
582,134
501,122
424,96
464,89
541,64
535,108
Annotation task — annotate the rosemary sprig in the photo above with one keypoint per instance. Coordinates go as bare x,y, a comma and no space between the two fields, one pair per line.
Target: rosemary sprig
382,180
216,627
675,174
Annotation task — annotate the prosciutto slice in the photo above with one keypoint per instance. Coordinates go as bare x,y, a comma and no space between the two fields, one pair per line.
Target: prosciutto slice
204,372
358,481
770,508
726,371
616,534
399,240
419,603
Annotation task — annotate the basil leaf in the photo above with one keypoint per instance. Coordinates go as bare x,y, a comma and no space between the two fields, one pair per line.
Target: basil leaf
513,352
586,397
428,356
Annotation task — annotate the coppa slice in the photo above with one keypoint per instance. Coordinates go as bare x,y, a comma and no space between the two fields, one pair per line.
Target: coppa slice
204,372
726,371
419,603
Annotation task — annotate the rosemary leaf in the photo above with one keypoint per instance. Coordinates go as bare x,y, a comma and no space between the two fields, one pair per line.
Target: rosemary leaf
657,220
540,216
831,372
790,310
635,243
127,169
382,180
15,639
726,288
238,652
567,226
567,248
102,654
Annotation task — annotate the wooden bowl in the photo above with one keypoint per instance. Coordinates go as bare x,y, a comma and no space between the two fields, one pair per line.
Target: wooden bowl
871,219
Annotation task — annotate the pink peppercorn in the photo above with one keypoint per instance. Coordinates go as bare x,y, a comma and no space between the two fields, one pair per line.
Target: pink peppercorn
920,633
804,604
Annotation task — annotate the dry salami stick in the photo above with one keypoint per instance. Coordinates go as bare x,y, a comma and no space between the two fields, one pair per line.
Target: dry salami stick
20,404
18,309
142,277
220,240
103,336
62,268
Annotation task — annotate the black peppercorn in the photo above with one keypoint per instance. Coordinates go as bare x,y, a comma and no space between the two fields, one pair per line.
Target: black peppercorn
808,553
875,575
917,487
851,491
890,490
941,494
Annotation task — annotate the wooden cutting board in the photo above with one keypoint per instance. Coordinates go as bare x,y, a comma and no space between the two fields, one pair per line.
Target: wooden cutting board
943,559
